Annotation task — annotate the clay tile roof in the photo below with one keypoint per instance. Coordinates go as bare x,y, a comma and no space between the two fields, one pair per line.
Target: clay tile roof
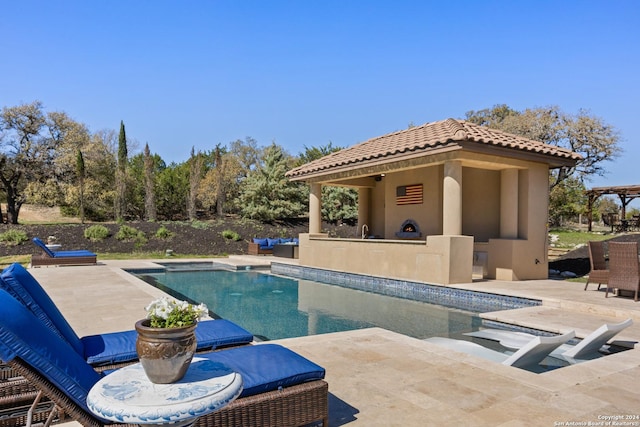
426,138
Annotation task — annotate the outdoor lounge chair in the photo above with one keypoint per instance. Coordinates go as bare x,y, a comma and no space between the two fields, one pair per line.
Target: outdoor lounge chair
527,357
599,273
112,348
587,348
281,388
624,268
49,257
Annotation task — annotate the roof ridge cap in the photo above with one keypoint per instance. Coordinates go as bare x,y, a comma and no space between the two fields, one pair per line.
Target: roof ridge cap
457,129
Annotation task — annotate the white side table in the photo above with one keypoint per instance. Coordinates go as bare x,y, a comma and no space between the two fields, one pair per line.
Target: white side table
127,395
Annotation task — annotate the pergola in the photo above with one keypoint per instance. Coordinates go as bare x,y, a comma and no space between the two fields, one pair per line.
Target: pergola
626,193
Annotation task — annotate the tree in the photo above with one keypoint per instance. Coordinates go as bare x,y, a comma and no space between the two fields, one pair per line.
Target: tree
339,204
149,185
582,133
196,163
81,172
99,194
25,154
567,200
121,174
266,194
216,180
172,191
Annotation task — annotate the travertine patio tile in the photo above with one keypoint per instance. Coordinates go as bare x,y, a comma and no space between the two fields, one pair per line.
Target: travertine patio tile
380,378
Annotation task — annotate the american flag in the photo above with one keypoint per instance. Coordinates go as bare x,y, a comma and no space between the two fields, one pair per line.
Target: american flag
409,194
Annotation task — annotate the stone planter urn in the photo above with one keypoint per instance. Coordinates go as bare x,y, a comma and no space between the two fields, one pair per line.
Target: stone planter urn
165,353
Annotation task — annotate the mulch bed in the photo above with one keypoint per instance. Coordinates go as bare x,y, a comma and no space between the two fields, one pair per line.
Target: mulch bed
199,238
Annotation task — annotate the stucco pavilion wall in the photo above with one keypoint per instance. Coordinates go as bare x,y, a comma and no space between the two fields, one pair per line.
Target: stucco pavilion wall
439,260
525,257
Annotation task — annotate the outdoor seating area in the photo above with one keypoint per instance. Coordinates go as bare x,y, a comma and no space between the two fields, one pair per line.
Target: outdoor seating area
48,366
266,245
47,257
622,270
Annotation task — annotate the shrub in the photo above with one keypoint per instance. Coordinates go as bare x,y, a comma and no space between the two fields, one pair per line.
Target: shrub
96,233
163,233
200,225
131,234
231,235
13,237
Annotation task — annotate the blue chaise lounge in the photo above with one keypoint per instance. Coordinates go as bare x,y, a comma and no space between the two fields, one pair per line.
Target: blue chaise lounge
49,257
281,388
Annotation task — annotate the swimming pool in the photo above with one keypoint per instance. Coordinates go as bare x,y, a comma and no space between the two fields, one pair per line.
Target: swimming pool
275,307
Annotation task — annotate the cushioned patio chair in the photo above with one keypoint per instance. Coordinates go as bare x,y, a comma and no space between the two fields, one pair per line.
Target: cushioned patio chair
281,388
589,347
527,357
599,272
624,268
49,257
109,349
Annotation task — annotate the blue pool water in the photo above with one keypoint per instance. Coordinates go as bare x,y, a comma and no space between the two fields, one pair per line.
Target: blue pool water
274,307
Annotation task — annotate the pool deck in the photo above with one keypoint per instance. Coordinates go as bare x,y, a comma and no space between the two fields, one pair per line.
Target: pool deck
380,378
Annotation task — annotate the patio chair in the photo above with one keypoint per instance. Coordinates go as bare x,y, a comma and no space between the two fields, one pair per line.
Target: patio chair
624,268
49,257
588,348
599,273
281,388
110,349
527,357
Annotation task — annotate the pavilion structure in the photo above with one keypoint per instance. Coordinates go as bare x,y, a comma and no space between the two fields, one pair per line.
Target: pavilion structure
438,203
626,194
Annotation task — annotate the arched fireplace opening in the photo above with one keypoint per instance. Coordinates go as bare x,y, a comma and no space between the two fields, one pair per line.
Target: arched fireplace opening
409,230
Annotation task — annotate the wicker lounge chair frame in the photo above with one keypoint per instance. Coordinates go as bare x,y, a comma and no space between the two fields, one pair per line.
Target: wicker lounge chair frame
292,406
624,268
599,272
255,249
48,257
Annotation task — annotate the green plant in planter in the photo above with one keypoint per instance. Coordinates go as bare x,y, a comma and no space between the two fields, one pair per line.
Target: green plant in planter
171,313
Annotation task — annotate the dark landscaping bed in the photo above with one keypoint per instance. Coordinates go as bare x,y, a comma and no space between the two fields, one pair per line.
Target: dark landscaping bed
198,238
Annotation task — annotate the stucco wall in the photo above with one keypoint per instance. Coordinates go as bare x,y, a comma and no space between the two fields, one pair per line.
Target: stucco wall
439,260
480,203
428,215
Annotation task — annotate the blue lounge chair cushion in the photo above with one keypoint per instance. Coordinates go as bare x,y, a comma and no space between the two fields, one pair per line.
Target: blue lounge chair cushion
23,335
26,289
285,240
272,242
106,349
261,242
44,247
267,367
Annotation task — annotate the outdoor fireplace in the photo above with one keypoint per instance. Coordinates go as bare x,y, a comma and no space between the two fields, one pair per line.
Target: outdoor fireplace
409,230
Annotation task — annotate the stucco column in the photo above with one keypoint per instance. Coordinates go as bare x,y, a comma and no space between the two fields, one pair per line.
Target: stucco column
363,208
315,208
509,204
452,198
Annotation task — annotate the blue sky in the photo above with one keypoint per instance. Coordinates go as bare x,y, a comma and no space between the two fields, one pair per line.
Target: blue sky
306,73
